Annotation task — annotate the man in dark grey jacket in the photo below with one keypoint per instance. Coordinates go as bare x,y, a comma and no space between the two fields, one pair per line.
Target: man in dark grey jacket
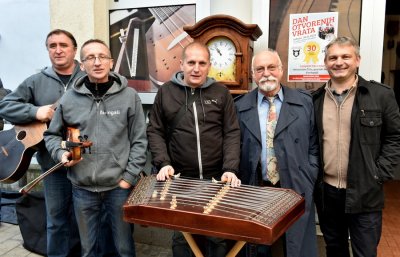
359,135
103,108
33,101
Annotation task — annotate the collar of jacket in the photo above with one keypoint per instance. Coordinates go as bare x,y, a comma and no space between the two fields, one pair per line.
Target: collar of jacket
289,97
362,86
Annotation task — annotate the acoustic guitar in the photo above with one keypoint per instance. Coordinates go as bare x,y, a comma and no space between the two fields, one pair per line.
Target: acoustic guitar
17,146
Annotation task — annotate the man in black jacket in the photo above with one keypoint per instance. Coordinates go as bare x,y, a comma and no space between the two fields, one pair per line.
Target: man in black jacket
359,134
205,142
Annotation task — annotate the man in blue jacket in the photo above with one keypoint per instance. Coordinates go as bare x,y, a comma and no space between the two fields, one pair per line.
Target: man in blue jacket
294,143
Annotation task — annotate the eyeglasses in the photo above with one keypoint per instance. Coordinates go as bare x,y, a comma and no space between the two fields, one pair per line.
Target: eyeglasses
92,59
270,68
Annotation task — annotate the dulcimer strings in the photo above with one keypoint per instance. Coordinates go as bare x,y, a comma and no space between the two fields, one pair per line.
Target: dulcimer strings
245,200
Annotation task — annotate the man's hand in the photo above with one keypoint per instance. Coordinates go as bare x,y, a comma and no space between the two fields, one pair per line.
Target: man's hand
230,177
165,173
66,160
123,184
45,113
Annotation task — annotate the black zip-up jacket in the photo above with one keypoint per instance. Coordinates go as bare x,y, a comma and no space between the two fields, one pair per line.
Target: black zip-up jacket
206,140
374,147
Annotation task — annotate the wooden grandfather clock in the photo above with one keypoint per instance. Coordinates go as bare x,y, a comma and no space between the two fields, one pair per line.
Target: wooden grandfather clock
231,47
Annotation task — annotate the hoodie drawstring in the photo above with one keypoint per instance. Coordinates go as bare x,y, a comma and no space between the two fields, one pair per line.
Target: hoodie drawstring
186,99
202,107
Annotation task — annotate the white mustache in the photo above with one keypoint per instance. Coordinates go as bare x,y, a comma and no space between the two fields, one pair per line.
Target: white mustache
270,78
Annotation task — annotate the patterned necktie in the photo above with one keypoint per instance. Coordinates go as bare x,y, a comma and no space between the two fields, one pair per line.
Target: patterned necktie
272,169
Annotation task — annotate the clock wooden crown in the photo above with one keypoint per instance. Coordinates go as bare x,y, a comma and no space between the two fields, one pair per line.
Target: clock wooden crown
240,34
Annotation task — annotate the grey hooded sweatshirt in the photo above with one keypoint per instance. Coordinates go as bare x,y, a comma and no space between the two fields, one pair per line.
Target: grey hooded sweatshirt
115,123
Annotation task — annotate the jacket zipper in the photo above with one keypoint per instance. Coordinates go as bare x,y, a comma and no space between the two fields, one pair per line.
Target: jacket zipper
339,117
339,106
97,127
198,141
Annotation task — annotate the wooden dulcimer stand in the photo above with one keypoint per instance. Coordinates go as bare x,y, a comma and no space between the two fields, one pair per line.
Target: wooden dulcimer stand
246,214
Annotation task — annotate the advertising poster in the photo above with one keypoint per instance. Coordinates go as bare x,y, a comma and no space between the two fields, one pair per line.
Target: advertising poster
309,33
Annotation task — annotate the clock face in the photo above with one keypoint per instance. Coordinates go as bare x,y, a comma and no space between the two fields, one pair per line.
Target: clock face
223,59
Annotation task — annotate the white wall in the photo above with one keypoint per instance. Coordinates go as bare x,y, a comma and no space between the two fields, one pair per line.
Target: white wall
238,8
24,25
371,38
88,21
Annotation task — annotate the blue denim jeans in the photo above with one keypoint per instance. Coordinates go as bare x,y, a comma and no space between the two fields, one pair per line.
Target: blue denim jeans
62,230
89,211
105,242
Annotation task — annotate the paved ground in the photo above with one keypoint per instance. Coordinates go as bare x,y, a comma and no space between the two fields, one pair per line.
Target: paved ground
11,242
11,245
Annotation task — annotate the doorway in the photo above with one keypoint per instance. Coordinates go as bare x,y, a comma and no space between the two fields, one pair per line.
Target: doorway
391,53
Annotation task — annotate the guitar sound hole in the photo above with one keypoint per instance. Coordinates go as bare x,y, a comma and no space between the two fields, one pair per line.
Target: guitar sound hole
21,135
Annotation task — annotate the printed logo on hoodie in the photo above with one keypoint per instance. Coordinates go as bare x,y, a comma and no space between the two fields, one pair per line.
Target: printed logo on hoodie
111,113
215,101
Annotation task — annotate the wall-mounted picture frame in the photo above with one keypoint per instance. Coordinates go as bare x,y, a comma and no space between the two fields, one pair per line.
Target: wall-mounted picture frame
349,24
147,40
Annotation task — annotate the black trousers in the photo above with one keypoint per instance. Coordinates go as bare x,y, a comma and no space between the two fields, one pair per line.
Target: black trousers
364,228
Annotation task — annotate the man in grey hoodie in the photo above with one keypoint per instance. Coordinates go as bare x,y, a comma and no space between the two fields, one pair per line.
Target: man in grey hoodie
110,114
33,101
3,92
